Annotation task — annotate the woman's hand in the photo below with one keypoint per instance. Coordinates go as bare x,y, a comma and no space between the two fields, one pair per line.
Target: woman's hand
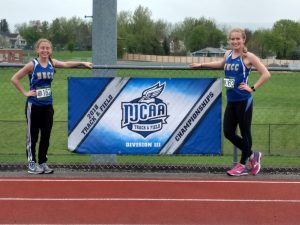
87,64
244,86
196,65
30,93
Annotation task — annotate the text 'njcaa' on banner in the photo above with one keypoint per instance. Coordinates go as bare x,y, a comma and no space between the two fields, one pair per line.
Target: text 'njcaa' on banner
144,115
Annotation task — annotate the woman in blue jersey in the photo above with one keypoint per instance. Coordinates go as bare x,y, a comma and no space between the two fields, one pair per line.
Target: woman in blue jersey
237,64
39,110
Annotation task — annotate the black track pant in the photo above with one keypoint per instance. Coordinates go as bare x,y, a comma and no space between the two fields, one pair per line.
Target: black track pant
239,114
39,121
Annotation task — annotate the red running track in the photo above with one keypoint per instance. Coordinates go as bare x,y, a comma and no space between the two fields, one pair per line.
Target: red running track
148,201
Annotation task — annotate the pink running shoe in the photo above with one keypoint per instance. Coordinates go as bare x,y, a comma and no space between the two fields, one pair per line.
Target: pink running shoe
238,170
255,162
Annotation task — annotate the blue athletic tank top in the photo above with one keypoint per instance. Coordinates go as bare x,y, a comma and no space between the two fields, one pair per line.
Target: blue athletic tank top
236,72
40,80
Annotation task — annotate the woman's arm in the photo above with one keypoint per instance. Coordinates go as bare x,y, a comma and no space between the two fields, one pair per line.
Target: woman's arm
69,64
215,64
19,75
263,71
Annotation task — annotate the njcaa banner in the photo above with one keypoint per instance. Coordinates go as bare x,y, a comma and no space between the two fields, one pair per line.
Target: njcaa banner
144,115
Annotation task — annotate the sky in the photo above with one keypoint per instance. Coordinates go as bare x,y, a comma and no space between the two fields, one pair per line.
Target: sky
250,14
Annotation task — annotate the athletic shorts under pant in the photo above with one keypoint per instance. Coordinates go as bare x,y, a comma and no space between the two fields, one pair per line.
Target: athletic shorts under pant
239,114
39,122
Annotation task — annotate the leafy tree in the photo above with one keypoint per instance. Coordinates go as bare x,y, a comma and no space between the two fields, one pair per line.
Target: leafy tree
175,40
248,35
83,37
285,38
31,32
260,43
142,27
59,34
123,27
4,28
138,33
166,46
199,33
70,46
197,38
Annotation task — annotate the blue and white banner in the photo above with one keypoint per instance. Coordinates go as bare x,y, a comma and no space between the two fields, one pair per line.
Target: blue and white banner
144,115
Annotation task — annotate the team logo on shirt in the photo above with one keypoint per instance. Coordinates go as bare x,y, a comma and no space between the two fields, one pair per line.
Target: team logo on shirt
147,114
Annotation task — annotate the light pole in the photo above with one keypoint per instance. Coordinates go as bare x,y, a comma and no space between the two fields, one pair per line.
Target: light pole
104,35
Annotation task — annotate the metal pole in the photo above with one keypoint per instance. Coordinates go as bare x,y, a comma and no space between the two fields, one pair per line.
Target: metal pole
104,35
104,46
235,154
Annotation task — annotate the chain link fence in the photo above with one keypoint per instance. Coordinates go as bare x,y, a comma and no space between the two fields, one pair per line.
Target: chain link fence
275,129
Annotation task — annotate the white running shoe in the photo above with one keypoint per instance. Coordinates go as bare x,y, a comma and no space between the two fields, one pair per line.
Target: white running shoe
46,168
34,168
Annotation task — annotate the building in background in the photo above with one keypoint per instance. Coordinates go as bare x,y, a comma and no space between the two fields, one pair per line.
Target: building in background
16,41
9,55
209,52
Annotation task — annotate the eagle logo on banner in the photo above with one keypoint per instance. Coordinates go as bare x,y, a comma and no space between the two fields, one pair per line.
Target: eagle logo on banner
147,114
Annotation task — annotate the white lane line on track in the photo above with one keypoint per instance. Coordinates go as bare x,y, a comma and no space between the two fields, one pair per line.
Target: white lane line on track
156,200
151,181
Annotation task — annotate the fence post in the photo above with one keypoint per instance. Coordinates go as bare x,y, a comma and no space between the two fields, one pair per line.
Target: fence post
269,139
235,153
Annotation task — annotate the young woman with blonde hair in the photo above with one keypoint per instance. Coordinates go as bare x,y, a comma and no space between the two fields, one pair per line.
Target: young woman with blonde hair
39,109
237,64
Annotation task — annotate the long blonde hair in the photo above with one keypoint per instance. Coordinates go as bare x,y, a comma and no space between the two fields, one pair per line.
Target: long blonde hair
243,33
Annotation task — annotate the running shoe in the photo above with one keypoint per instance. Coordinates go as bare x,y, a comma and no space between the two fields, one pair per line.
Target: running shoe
46,168
255,162
34,168
238,170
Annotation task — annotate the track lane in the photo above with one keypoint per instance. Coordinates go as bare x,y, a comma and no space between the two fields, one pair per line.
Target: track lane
140,201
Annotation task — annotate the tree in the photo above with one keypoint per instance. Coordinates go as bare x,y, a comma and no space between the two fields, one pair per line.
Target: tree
261,42
83,38
138,33
31,32
142,26
166,46
123,27
176,40
197,38
200,33
70,46
4,28
248,35
59,34
285,38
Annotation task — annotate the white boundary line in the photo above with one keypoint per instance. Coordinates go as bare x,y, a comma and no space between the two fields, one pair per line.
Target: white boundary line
157,199
149,181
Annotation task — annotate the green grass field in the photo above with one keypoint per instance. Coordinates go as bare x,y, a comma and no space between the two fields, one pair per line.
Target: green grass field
276,119
64,55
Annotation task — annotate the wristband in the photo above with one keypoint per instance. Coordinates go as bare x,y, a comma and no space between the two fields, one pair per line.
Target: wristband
253,88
